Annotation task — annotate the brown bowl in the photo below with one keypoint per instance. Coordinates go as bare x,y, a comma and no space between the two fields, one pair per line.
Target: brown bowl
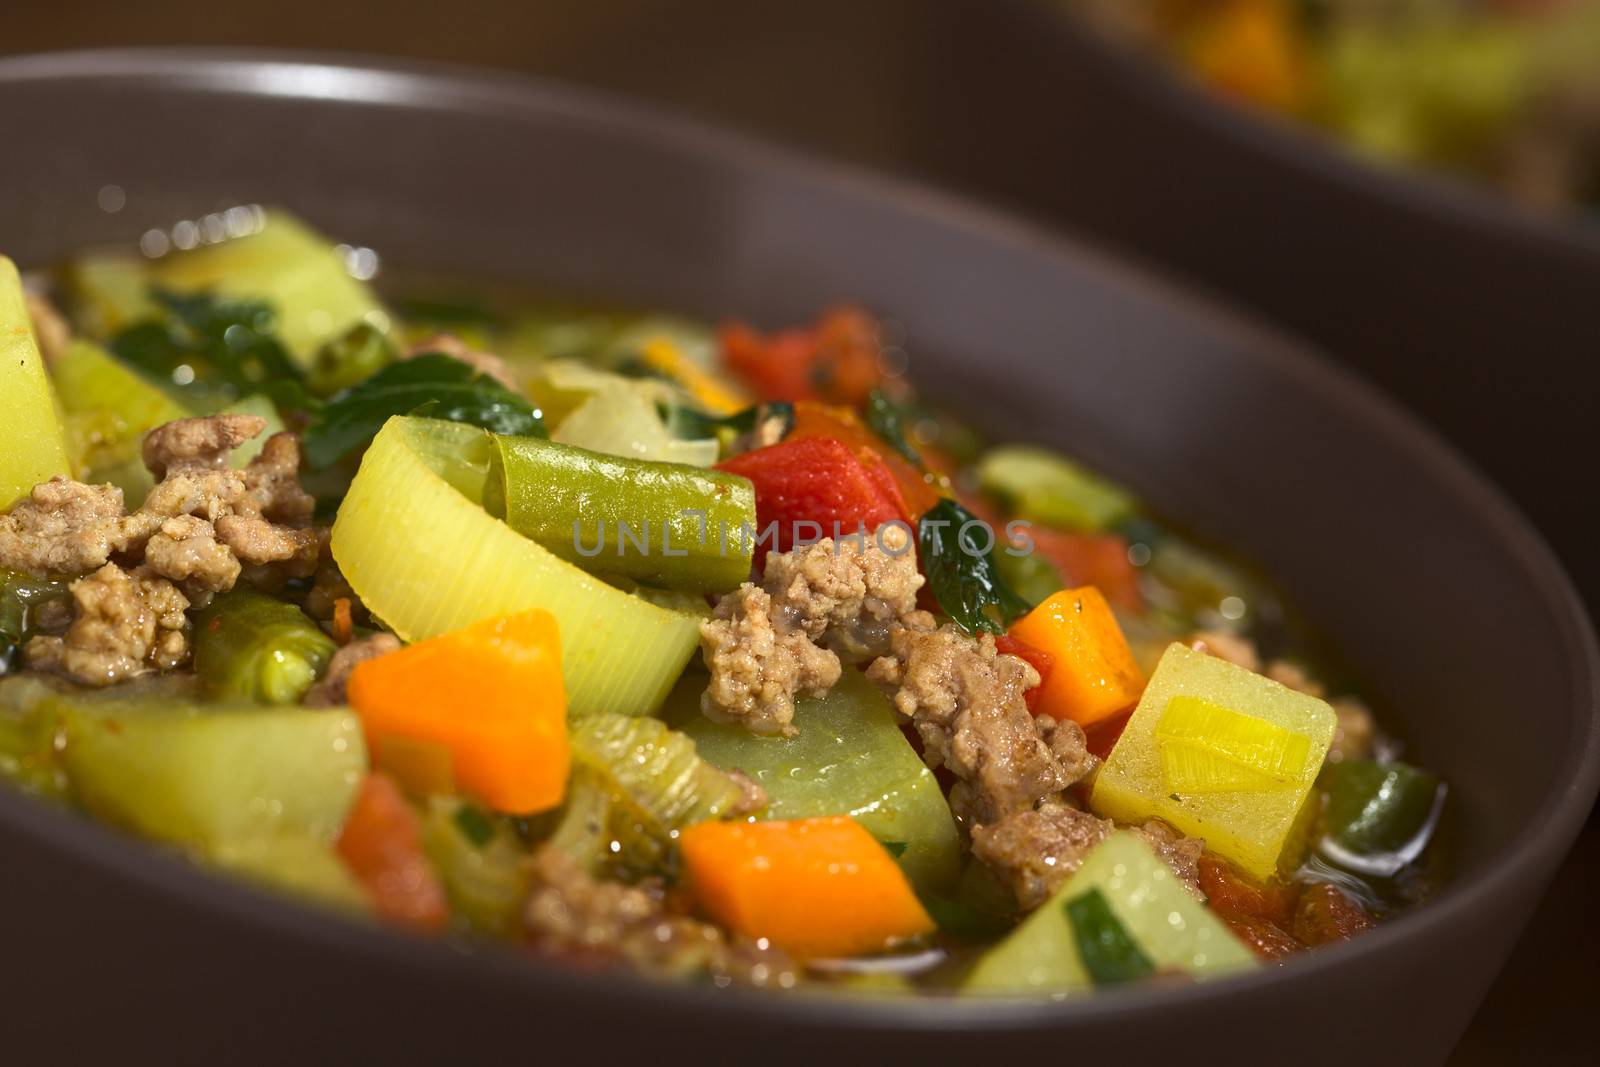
1432,586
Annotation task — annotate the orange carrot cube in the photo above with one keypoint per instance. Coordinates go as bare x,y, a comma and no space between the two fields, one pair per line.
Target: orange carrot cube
814,887
491,694
1093,674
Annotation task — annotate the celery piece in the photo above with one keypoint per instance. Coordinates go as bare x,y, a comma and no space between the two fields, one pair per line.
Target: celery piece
849,758
214,777
660,523
255,648
415,543
657,780
302,867
262,406
109,293
486,883
288,265
1163,920
1222,754
1049,488
350,359
35,448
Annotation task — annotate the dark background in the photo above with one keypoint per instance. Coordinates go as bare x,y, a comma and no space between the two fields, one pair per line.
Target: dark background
1484,324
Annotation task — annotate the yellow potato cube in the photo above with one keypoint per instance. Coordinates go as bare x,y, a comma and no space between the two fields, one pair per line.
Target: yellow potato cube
1220,753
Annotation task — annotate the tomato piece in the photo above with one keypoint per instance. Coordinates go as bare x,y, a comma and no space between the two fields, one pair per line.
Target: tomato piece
837,359
382,845
1100,560
817,480
1230,893
1326,914
811,419
1266,940
1038,658
1101,737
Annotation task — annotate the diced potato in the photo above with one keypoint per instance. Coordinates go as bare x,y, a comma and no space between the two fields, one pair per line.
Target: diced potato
1171,927
35,449
1220,753
291,267
849,758
220,779
1093,674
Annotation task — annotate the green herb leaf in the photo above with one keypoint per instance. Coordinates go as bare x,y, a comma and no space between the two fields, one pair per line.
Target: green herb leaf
474,825
214,350
888,421
1109,953
446,388
894,848
692,424
965,581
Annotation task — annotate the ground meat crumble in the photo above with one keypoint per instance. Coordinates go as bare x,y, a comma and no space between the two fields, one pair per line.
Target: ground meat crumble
198,529
765,645
332,690
571,913
125,624
967,703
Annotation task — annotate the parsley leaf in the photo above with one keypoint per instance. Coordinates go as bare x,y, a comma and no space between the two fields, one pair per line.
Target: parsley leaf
965,581
214,349
474,825
888,421
433,384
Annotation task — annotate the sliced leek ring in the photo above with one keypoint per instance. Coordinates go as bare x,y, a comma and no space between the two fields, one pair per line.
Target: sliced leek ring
415,543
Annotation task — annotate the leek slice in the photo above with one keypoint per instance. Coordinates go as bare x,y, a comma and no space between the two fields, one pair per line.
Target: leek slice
1207,748
35,448
415,543
621,422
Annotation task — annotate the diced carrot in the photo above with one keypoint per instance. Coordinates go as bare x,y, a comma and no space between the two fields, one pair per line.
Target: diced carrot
1093,675
1038,658
1231,893
814,887
1325,914
343,627
811,419
381,844
490,693
1100,560
837,359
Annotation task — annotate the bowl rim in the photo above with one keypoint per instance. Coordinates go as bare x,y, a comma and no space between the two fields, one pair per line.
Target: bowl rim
1311,153
315,78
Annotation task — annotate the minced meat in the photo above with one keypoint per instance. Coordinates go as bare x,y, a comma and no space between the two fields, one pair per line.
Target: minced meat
765,645
126,624
571,913
1036,850
967,703
63,527
758,666
332,690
